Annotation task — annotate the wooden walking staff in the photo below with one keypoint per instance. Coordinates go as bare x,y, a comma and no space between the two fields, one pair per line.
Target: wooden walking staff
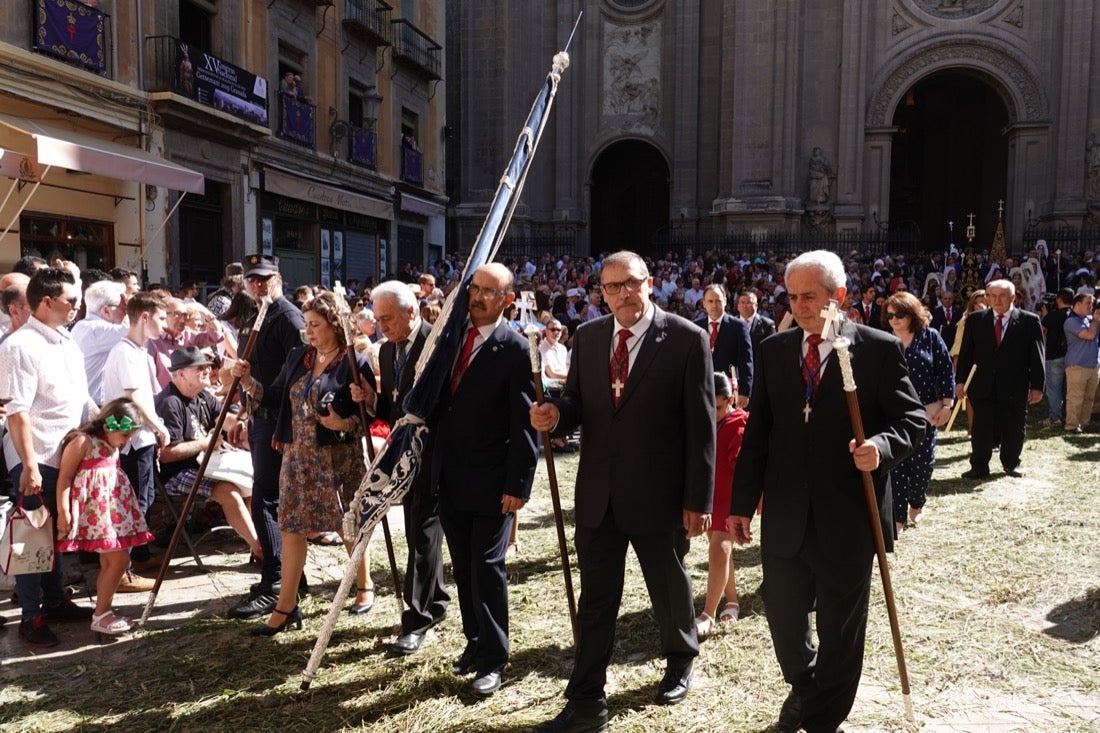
833,319
960,403
532,334
349,336
185,511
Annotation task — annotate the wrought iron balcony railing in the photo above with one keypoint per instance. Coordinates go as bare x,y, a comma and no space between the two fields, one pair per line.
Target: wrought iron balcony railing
370,18
412,45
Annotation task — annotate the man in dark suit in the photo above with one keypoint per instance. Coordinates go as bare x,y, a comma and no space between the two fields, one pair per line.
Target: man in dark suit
799,454
281,332
641,386
946,317
868,309
483,462
760,326
1007,345
426,598
729,342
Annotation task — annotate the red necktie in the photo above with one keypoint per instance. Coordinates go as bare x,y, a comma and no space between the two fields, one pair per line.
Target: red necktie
620,366
998,329
866,318
463,359
713,334
947,316
811,368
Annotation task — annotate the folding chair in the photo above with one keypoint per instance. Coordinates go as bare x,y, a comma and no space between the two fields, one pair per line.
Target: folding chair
173,511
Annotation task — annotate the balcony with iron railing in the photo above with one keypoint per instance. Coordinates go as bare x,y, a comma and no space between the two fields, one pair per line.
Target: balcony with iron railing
412,166
412,46
297,120
362,147
175,66
369,18
75,33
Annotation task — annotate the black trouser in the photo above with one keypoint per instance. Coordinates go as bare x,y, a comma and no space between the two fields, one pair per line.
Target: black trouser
601,554
426,596
998,421
266,465
138,464
826,677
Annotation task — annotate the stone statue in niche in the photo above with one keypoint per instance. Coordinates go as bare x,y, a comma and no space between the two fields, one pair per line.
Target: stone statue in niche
1092,167
819,181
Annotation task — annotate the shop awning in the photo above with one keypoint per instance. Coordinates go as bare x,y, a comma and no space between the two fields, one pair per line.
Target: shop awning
79,152
307,189
417,205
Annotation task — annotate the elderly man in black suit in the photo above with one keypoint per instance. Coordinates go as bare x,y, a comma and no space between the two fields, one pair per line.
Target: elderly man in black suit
760,326
1007,345
641,387
946,317
398,316
799,454
483,462
728,337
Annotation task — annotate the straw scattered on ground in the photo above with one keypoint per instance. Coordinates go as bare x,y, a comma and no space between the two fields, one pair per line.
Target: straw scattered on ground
998,593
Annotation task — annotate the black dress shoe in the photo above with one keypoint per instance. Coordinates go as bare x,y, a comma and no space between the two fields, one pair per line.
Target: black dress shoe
409,643
1014,472
259,603
973,474
464,665
579,716
790,714
674,685
486,684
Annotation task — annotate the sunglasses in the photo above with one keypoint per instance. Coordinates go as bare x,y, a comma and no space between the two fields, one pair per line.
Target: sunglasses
896,316
71,301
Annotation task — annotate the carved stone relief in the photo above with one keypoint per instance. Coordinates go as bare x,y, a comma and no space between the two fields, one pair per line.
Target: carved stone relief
954,9
632,75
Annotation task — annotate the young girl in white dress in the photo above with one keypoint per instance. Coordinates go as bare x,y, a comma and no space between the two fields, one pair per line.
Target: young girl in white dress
97,509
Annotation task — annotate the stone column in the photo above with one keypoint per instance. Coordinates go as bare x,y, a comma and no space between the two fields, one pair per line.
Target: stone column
878,145
1072,57
850,192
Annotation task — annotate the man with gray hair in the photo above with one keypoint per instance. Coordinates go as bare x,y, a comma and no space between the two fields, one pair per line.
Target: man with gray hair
1006,344
98,332
397,314
799,454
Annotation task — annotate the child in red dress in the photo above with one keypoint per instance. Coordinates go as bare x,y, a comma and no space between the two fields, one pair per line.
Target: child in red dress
720,579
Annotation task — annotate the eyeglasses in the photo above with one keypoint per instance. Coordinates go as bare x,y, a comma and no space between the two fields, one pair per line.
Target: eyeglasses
633,285
489,293
896,316
258,278
553,329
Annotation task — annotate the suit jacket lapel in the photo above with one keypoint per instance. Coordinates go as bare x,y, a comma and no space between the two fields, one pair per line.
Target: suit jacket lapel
408,371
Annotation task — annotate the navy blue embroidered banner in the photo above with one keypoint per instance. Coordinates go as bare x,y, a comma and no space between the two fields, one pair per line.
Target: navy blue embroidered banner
73,32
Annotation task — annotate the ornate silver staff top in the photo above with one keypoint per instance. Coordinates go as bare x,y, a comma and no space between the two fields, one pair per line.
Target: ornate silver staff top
830,331
532,334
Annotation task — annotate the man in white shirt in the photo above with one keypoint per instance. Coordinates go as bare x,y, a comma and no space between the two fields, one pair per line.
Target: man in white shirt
694,294
42,374
130,372
98,332
555,357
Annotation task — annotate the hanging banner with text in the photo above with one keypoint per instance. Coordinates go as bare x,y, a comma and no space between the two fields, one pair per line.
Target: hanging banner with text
219,84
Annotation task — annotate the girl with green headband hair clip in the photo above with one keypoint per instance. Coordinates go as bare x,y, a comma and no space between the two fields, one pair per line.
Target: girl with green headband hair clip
97,509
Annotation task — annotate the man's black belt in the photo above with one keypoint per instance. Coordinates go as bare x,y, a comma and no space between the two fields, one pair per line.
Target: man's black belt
266,413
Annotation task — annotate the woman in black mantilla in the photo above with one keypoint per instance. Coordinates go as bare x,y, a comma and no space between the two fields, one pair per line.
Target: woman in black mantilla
320,436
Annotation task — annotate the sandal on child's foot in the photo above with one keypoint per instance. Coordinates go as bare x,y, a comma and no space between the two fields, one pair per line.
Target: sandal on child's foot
703,623
730,613
111,623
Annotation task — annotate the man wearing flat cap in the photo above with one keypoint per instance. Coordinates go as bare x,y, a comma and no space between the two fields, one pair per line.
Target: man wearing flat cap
279,333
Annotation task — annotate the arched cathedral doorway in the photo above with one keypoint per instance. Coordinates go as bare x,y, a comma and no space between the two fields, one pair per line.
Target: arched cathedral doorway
630,194
949,158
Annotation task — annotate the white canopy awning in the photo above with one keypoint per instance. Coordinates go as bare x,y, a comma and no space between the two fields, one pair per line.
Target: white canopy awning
79,152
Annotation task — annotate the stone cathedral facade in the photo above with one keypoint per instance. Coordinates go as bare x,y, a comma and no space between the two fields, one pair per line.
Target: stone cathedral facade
680,120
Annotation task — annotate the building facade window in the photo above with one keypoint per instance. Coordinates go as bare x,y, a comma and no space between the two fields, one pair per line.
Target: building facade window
86,242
